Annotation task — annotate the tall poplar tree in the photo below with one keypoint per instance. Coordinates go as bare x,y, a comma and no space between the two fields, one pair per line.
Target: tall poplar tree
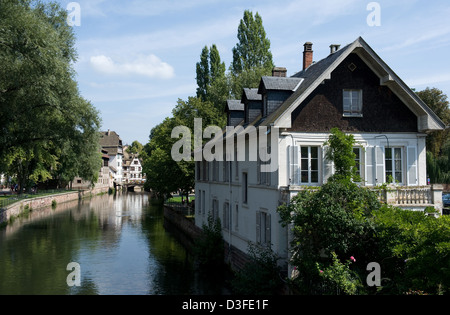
211,78
251,55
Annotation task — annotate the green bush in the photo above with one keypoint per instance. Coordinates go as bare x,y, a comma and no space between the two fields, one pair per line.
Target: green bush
418,249
209,248
260,276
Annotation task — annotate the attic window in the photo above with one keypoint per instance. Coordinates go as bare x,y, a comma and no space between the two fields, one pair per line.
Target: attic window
352,103
352,67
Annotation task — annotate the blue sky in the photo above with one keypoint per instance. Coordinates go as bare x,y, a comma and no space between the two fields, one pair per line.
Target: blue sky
136,58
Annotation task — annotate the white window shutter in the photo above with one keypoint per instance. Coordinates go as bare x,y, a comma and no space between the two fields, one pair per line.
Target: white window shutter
328,166
370,166
379,158
268,229
412,166
294,167
258,227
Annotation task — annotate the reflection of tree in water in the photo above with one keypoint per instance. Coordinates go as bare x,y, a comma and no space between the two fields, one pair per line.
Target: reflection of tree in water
97,233
173,271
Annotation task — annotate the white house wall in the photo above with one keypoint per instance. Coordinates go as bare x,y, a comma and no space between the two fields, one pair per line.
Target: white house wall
366,140
263,198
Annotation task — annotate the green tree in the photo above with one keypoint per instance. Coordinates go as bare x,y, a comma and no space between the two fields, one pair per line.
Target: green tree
164,175
251,55
340,151
438,142
135,148
203,74
438,102
41,108
211,78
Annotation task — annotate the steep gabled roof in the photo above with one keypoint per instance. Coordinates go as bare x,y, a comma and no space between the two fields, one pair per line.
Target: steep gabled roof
315,74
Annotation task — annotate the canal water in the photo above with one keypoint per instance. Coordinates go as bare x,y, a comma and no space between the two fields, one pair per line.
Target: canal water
119,243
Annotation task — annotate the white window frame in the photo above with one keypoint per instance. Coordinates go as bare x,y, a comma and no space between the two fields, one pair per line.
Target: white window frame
309,170
226,216
245,188
347,101
393,163
263,228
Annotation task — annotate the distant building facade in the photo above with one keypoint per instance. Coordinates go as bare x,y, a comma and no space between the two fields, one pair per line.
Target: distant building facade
111,142
132,168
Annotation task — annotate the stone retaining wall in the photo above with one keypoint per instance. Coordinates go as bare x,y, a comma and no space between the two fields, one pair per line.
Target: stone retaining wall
35,204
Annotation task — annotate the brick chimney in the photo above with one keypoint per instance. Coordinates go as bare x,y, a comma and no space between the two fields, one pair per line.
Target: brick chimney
279,72
307,55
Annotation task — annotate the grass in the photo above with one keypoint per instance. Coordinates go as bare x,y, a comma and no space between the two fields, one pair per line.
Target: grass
177,199
10,199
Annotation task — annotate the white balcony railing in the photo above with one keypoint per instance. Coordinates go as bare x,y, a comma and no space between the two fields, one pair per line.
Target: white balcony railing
418,197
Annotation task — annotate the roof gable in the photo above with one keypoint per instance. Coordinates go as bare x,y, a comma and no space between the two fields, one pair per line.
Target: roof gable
318,72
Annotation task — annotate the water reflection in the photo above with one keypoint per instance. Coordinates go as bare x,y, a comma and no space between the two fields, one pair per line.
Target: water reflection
119,241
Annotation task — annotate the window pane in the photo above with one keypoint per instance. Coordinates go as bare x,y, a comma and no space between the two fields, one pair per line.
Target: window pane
355,101
388,165
357,153
304,164
304,152
314,177
398,177
314,152
398,165
398,153
347,94
315,165
305,177
388,153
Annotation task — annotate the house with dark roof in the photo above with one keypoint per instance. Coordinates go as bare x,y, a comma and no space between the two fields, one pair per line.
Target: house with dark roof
353,89
111,142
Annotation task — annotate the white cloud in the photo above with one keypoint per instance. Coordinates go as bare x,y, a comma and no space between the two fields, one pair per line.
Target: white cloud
149,66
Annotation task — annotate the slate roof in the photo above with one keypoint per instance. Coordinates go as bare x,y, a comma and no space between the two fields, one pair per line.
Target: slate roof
110,141
304,82
235,105
251,95
279,83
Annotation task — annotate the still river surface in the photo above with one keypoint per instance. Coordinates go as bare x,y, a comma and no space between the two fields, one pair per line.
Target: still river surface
118,241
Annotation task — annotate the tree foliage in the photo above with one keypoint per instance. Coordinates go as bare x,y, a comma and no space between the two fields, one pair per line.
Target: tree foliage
251,55
438,102
211,78
164,175
43,118
438,142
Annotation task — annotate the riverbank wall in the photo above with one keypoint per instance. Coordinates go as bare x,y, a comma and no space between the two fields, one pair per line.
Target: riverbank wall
35,204
187,233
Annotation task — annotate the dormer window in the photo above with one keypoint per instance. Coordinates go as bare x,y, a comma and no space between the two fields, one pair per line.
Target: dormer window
352,103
